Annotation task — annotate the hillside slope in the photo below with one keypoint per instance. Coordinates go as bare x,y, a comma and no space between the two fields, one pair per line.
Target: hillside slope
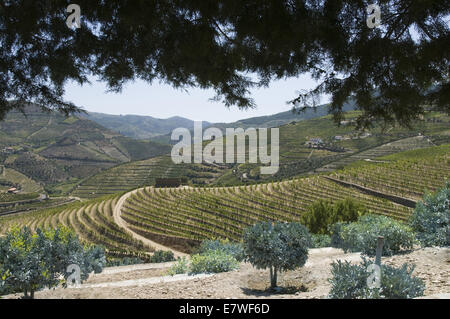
176,217
397,174
275,120
339,146
296,157
140,127
143,173
180,218
52,149
282,118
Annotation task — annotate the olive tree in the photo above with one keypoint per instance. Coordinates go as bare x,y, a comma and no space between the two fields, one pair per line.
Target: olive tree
33,261
279,247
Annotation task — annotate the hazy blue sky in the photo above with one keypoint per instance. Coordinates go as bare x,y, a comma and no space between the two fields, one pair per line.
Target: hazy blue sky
162,101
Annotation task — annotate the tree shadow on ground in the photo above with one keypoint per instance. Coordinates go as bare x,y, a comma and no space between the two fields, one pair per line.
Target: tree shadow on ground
290,290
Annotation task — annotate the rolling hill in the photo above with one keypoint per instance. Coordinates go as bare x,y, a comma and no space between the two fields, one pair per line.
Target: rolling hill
140,127
280,119
54,150
370,166
142,173
339,146
296,157
180,218
275,120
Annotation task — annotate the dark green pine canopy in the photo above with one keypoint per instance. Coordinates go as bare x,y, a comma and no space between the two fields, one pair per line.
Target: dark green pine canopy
394,72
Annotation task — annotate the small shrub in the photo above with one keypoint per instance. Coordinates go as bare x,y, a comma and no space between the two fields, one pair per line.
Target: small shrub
320,241
94,259
348,210
234,249
350,282
361,236
215,261
180,267
317,217
399,283
431,219
162,256
322,214
126,261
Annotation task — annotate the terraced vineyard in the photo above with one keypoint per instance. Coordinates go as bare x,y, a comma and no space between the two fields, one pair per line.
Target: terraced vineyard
183,216
408,174
32,205
143,173
6,198
10,177
117,179
343,145
402,145
93,222
180,218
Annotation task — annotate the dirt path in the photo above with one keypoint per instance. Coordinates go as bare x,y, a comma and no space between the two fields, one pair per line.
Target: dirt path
121,223
138,267
143,281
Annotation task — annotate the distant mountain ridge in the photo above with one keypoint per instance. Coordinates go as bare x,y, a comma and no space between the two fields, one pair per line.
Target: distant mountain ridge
268,121
140,127
279,119
151,128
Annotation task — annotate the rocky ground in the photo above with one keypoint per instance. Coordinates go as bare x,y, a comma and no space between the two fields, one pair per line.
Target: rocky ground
310,281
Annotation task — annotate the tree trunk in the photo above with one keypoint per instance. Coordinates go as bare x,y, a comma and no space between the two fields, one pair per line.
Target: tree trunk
273,277
28,293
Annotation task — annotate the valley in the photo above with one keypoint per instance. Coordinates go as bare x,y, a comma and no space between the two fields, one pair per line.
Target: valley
107,194
224,150
181,218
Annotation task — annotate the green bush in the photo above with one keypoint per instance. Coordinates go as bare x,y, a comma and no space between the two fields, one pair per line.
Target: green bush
350,282
234,249
180,267
320,241
214,261
361,236
32,261
279,247
348,210
431,218
321,214
126,261
317,217
336,231
162,256
93,258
